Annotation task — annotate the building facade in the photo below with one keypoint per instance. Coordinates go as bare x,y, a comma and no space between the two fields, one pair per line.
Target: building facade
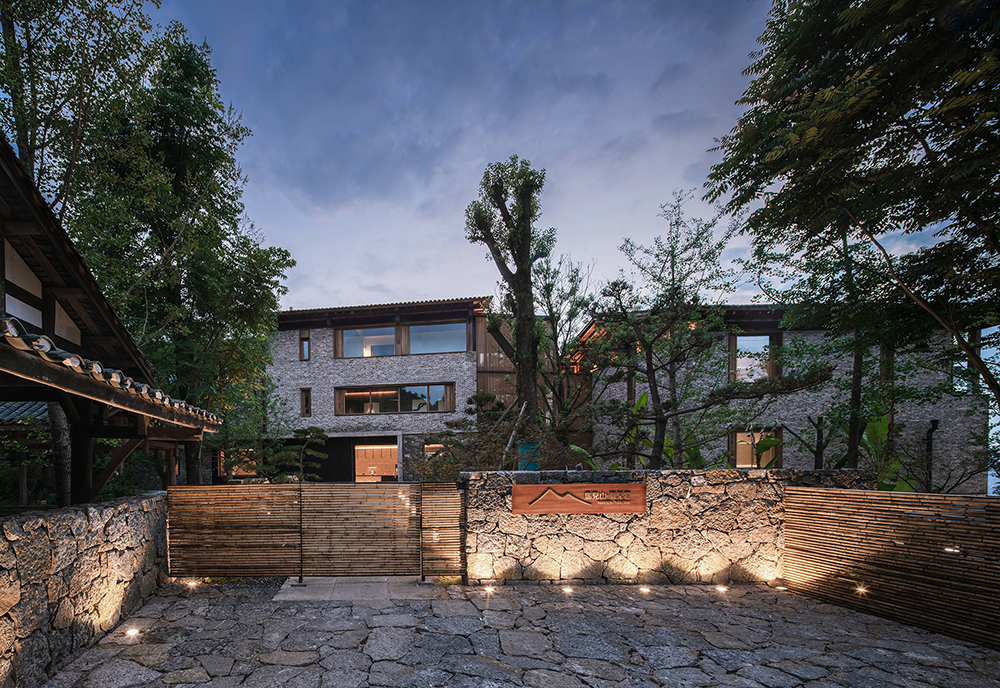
378,378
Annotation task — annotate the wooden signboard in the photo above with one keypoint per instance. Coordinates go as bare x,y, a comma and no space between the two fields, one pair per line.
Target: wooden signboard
607,498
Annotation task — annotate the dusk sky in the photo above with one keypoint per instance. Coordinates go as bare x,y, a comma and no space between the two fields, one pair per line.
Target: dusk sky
373,122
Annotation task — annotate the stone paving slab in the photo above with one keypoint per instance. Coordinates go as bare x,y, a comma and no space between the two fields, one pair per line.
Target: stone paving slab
521,635
360,588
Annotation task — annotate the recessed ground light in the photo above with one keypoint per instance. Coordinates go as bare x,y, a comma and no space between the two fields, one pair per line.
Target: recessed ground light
953,550
780,587
567,589
132,631
721,588
643,589
488,589
192,584
861,589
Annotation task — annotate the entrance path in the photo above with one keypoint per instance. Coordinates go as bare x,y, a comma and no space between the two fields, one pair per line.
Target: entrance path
519,635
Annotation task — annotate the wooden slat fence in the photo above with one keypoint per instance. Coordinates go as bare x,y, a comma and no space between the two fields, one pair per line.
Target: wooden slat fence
442,529
347,529
928,560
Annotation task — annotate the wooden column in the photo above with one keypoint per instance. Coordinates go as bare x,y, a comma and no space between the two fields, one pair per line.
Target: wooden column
22,477
81,451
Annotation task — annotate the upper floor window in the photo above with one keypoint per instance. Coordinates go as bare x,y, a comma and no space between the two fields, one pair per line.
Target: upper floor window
439,338
753,356
370,341
399,340
305,402
303,345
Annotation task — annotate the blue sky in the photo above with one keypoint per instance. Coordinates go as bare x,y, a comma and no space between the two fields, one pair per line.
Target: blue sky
373,122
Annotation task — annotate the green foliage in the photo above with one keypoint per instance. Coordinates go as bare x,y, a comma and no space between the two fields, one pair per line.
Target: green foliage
877,118
503,218
292,462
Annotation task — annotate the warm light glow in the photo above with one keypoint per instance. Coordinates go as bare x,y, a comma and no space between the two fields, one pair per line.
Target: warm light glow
192,584
643,589
567,589
488,589
780,587
861,589
132,631
953,550
721,588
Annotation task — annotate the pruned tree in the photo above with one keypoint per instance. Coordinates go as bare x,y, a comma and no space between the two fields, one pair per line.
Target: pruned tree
503,218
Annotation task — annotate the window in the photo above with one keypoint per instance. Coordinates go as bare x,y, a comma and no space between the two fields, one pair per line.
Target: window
756,449
752,357
400,340
305,402
370,341
435,339
396,399
303,345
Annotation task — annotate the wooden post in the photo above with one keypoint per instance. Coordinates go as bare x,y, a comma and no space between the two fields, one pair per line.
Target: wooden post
171,467
22,477
81,452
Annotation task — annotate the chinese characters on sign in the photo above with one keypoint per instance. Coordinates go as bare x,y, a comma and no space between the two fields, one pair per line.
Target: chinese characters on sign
610,498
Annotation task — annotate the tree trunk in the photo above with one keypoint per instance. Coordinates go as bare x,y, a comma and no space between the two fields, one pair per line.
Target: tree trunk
854,419
527,361
61,453
675,422
660,434
192,462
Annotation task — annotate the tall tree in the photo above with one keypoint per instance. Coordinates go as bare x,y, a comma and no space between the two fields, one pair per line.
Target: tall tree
658,329
880,115
503,218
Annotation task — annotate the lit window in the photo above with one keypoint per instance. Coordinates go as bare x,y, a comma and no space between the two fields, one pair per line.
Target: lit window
305,402
748,452
370,341
404,399
440,338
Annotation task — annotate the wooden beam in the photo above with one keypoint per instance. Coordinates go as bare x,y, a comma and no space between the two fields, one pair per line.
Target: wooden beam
154,433
22,228
117,459
67,292
29,367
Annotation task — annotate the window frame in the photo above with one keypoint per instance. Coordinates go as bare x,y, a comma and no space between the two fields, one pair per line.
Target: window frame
305,348
305,402
402,338
448,400
763,431
775,342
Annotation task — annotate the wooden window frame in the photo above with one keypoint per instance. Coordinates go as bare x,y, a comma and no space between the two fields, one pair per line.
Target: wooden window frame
305,345
340,398
775,342
771,431
305,402
402,338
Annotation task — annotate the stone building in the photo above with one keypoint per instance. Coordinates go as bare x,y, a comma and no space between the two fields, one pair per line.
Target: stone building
378,378
943,426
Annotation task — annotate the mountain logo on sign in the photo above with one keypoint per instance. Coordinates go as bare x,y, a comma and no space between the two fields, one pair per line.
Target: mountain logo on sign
557,498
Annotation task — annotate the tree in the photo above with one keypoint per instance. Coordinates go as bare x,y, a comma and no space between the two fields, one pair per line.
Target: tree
564,299
129,140
69,71
503,218
879,117
660,331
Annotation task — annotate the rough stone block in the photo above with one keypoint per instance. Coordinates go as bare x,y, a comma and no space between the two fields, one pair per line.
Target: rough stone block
517,547
722,517
618,568
669,513
10,591
542,568
600,551
513,524
479,565
34,553
31,612
592,527
507,568
644,557
579,565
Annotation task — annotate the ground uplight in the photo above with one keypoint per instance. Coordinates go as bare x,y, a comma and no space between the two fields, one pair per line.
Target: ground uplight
721,588
567,589
132,631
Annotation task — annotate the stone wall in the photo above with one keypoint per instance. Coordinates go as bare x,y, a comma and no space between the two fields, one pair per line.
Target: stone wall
699,527
68,576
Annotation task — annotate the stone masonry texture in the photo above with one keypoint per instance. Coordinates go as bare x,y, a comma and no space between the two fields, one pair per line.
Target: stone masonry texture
68,576
700,527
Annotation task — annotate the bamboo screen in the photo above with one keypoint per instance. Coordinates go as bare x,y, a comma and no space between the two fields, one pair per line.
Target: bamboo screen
928,560
348,529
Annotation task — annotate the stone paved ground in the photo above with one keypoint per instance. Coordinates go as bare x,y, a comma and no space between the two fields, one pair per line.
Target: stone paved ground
600,636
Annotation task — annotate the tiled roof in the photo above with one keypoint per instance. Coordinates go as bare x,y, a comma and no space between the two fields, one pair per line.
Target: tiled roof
437,302
40,345
13,411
